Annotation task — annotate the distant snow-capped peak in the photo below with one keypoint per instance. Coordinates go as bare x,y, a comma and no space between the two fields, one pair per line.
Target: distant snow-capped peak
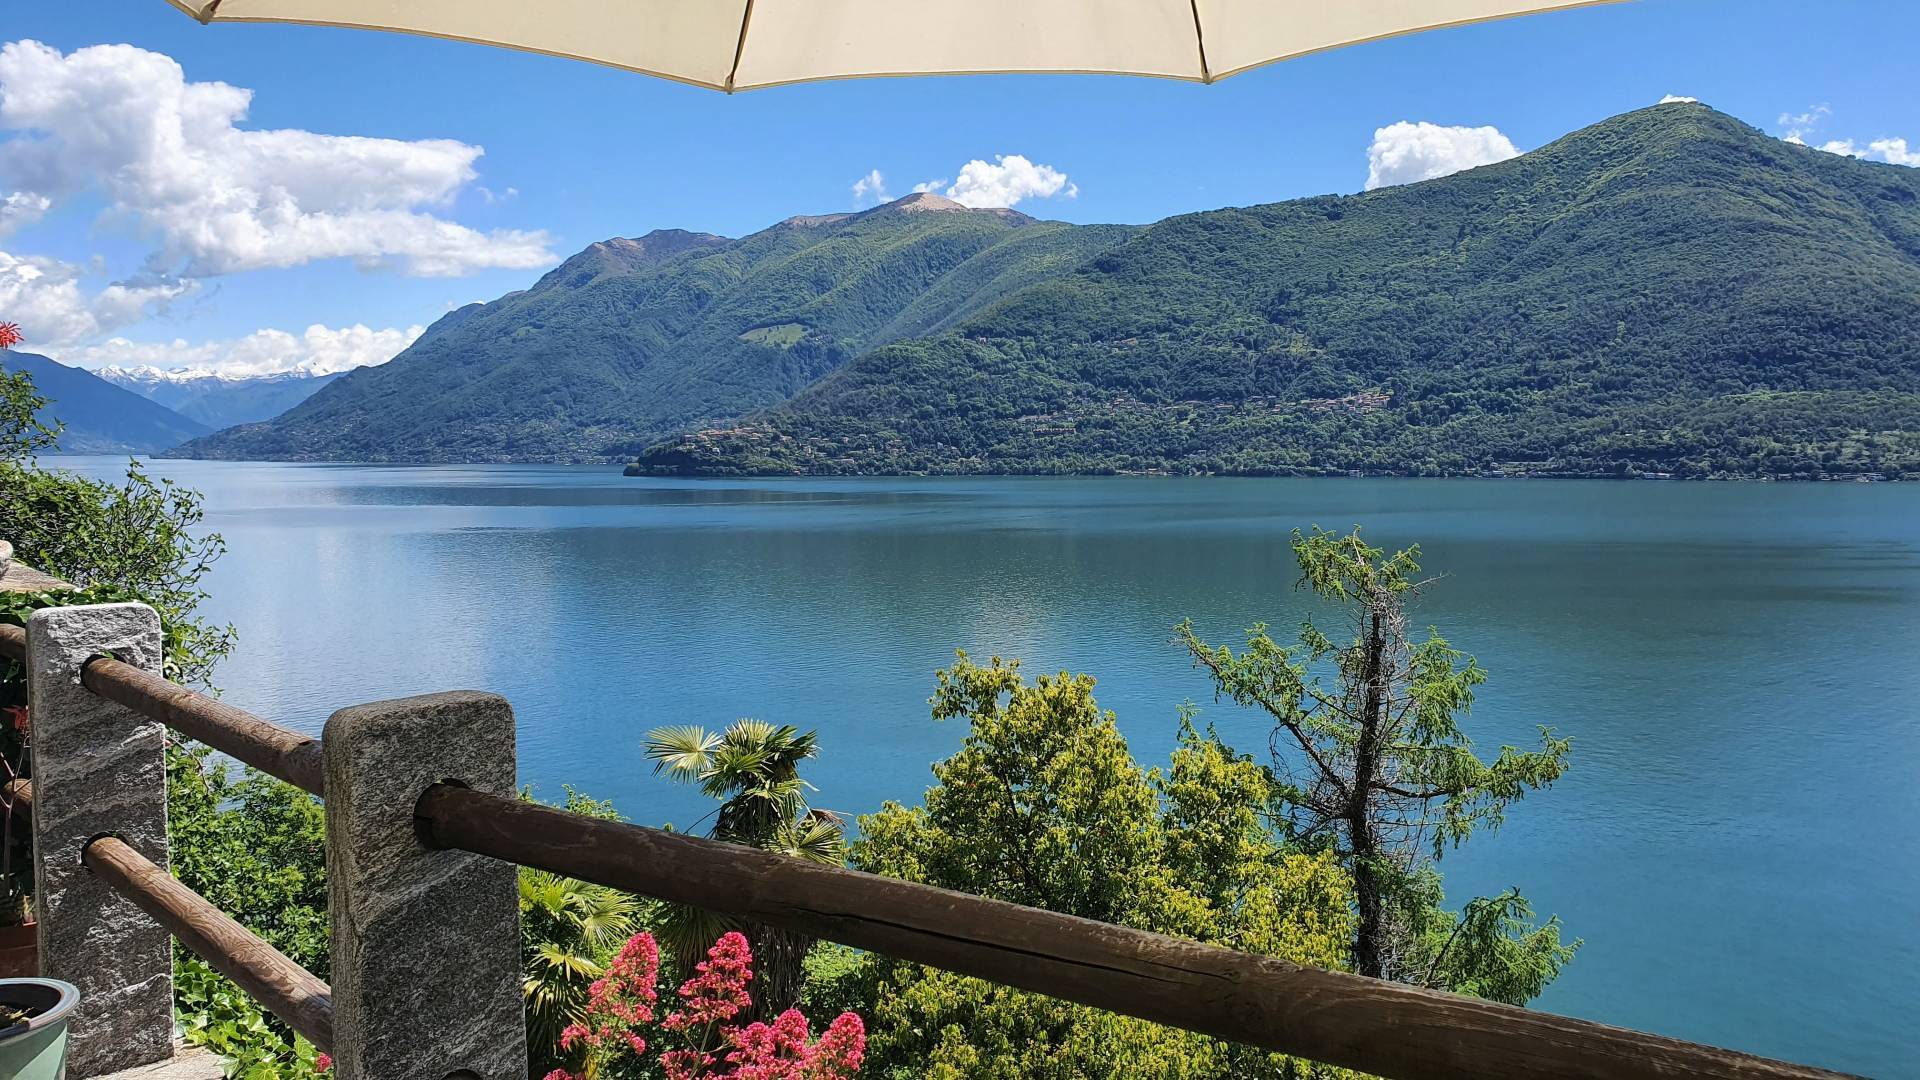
149,375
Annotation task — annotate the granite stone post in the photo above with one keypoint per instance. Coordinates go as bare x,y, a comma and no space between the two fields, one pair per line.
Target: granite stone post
426,943
98,768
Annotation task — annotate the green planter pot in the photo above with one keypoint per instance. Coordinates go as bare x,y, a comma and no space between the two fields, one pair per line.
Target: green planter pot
37,1049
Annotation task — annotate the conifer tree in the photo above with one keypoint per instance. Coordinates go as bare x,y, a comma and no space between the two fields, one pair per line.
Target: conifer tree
1372,763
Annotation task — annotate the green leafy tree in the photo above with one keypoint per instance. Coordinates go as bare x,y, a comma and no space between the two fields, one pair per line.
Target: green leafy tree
1374,765
141,535
1044,805
256,848
752,769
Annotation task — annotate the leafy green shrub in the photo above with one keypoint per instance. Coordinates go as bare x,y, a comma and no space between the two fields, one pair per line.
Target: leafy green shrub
255,847
140,537
1044,805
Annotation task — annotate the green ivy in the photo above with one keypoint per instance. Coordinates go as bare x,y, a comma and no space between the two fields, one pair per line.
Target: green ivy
216,1014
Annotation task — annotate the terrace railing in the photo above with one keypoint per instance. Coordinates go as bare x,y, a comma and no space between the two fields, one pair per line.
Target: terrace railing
424,835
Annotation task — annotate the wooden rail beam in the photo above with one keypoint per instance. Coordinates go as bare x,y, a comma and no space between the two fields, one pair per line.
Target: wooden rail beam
266,746
288,990
1386,1028
1390,1029
13,642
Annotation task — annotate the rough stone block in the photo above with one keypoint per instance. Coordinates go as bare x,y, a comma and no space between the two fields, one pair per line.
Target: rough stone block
99,768
426,943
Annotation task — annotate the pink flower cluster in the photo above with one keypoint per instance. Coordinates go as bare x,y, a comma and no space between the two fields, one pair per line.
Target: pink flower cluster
718,990
617,1002
781,1051
712,1047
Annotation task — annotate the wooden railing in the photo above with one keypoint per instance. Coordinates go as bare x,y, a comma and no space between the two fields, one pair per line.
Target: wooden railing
424,831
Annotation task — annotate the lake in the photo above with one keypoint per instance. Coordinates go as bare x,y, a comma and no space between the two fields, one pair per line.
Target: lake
1738,664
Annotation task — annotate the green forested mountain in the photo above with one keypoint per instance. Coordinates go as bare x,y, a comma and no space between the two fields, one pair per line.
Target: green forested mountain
1669,291
634,340
95,416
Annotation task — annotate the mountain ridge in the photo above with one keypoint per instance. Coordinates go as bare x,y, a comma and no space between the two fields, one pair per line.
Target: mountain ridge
97,417
219,400
626,342
1667,292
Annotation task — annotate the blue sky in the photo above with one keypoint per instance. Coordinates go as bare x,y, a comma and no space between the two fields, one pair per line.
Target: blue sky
114,271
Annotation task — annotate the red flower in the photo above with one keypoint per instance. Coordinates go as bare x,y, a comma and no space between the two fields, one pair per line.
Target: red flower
17,717
10,335
321,1062
841,1049
718,990
711,1047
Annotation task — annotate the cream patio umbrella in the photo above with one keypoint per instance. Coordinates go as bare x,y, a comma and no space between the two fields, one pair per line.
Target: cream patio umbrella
743,44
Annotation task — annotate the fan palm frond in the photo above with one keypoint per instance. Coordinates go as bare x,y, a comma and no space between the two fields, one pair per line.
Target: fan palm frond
817,839
605,918
682,752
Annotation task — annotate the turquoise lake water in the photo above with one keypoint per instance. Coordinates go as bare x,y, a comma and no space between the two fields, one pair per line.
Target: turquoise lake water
1738,841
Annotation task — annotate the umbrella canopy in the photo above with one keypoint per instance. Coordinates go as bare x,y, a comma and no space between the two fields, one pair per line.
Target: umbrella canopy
743,44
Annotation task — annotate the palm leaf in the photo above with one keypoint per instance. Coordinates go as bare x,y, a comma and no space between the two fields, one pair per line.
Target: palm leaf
817,839
682,752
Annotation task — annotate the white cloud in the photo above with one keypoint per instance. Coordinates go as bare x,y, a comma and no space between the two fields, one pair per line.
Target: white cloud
1010,179
1893,152
20,209
1676,99
1406,152
871,186
45,297
925,186
168,155
1800,126
321,350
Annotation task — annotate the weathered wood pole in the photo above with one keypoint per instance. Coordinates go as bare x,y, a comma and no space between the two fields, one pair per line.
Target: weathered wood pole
99,769
288,990
426,943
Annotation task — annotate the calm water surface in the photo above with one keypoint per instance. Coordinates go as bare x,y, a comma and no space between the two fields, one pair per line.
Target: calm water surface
1739,666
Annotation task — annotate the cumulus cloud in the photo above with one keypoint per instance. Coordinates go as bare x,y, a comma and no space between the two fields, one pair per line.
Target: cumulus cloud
1891,151
1801,127
1009,179
1676,99
46,298
870,188
925,186
20,209
321,350
1406,152
169,155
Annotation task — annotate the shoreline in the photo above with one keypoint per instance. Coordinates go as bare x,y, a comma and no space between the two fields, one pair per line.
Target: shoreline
1328,474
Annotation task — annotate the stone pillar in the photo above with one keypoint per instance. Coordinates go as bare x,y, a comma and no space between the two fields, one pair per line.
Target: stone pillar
426,943
98,767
